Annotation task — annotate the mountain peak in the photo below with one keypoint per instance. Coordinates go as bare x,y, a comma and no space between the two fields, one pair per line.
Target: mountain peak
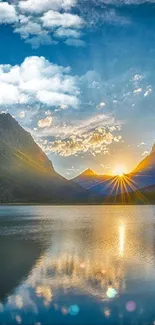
18,140
7,117
7,121
88,172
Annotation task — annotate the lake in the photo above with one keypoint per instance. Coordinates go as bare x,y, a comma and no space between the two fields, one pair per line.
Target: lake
77,265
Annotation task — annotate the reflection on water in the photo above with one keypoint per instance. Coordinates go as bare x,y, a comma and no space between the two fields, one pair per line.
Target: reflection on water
77,265
121,239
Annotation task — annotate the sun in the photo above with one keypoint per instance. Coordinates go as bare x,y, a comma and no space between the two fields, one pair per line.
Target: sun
119,170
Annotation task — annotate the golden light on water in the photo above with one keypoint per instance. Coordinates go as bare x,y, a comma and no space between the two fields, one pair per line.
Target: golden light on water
121,239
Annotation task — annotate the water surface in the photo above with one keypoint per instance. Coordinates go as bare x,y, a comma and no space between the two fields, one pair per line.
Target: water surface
77,265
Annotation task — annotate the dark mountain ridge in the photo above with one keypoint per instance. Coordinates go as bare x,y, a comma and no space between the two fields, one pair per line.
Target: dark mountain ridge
26,173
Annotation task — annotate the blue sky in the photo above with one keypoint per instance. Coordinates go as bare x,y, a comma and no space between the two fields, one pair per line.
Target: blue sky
79,75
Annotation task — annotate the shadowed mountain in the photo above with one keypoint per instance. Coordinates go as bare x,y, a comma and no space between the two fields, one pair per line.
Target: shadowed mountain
26,174
97,184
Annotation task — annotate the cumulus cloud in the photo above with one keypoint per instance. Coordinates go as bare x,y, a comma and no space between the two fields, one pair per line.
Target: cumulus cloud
46,122
28,28
39,6
43,39
37,80
42,22
10,94
66,32
55,19
56,99
8,14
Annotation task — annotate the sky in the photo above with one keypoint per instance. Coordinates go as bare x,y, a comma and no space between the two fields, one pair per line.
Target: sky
79,75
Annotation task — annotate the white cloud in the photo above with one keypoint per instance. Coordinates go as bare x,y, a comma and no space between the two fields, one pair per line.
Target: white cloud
145,153
22,114
75,42
48,112
8,14
94,142
66,32
101,105
56,99
137,77
43,39
63,106
137,91
105,166
10,94
37,80
148,92
46,122
55,19
40,6
42,22
91,135
88,125
29,28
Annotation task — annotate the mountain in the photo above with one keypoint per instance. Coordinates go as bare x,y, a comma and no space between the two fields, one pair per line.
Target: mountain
147,165
112,187
26,173
28,176
96,184
144,174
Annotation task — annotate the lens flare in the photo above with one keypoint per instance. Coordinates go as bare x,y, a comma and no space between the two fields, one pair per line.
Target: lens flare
111,292
74,310
131,306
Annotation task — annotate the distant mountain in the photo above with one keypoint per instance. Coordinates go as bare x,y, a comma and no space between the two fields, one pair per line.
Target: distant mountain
113,186
26,174
97,184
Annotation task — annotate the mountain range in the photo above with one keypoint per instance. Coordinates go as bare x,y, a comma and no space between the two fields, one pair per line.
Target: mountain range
135,187
28,176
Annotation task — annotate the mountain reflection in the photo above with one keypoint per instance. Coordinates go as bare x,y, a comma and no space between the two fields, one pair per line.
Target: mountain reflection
18,258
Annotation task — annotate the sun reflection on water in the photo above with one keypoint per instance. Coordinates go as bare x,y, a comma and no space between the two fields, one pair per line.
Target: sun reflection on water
121,239
94,264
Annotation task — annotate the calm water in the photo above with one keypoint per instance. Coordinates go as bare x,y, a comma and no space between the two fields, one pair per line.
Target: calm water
77,265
